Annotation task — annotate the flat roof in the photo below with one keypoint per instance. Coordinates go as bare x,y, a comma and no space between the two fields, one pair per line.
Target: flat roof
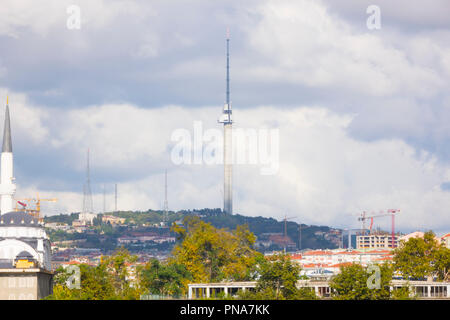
225,284
29,270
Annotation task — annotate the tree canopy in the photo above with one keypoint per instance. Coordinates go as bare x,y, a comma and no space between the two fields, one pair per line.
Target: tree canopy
277,280
419,258
211,254
352,283
110,280
165,279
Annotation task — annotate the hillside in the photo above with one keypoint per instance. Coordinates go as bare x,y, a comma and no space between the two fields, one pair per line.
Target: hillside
269,232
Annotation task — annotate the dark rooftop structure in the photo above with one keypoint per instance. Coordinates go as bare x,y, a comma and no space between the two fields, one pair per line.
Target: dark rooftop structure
19,218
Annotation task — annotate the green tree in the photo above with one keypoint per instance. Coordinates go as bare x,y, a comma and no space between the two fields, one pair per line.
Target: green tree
211,254
277,280
164,279
419,258
110,280
403,293
441,263
280,274
118,266
95,285
352,283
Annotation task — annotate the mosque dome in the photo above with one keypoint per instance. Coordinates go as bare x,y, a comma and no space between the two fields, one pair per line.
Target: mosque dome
18,218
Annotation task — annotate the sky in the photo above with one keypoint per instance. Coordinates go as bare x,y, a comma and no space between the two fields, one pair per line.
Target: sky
361,113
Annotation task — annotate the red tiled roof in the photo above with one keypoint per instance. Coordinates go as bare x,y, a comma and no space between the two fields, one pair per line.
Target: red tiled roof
317,253
384,258
342,264
379,251
310,265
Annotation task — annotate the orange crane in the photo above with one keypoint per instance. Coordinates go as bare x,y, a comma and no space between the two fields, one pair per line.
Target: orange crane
33,212
390,212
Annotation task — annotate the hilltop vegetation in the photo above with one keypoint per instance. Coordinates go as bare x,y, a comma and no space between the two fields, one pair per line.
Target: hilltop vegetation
150,220
207,254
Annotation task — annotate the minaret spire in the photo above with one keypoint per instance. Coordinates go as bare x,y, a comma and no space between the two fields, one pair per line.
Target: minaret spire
7,144
7,187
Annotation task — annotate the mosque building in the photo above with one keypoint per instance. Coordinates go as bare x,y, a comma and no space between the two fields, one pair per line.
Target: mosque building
25,253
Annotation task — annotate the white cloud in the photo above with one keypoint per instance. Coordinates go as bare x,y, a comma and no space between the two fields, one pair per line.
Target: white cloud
27,123
305,44
18,16
394,83
325,175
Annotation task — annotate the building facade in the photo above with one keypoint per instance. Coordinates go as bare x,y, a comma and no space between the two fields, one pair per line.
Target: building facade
376,241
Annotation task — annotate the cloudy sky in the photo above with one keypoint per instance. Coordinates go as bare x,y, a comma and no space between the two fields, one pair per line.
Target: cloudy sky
362,113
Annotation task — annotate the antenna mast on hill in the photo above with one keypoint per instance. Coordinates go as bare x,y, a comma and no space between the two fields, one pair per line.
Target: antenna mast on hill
104,199
87,194
166,203
115,197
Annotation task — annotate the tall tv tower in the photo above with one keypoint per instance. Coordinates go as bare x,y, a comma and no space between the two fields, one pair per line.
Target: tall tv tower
227,121
88,206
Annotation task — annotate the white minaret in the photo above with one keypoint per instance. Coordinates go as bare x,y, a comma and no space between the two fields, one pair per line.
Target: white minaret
227,121
7,187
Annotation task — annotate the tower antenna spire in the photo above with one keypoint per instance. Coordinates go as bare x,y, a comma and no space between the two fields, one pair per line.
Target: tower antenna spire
228,74
227,121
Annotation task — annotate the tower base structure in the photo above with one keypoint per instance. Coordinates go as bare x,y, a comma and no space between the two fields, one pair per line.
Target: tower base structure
228,170
25,284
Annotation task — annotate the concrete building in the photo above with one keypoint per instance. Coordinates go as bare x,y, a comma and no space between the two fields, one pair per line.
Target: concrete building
113,219
87,218
25,253
445,240
57,226
25,284
416,234
422,289
207,290
376,241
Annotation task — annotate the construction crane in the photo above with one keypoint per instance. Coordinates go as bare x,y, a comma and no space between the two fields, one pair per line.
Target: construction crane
285,224
390,212
285,229
300,235
36,212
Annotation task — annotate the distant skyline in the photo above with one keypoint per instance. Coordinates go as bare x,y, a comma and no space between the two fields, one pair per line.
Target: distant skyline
362,114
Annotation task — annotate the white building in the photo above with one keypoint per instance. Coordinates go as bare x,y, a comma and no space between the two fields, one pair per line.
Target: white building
329,261
87,218
445,240
25,253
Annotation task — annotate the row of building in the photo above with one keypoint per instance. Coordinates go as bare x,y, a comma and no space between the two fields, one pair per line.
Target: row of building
384,240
